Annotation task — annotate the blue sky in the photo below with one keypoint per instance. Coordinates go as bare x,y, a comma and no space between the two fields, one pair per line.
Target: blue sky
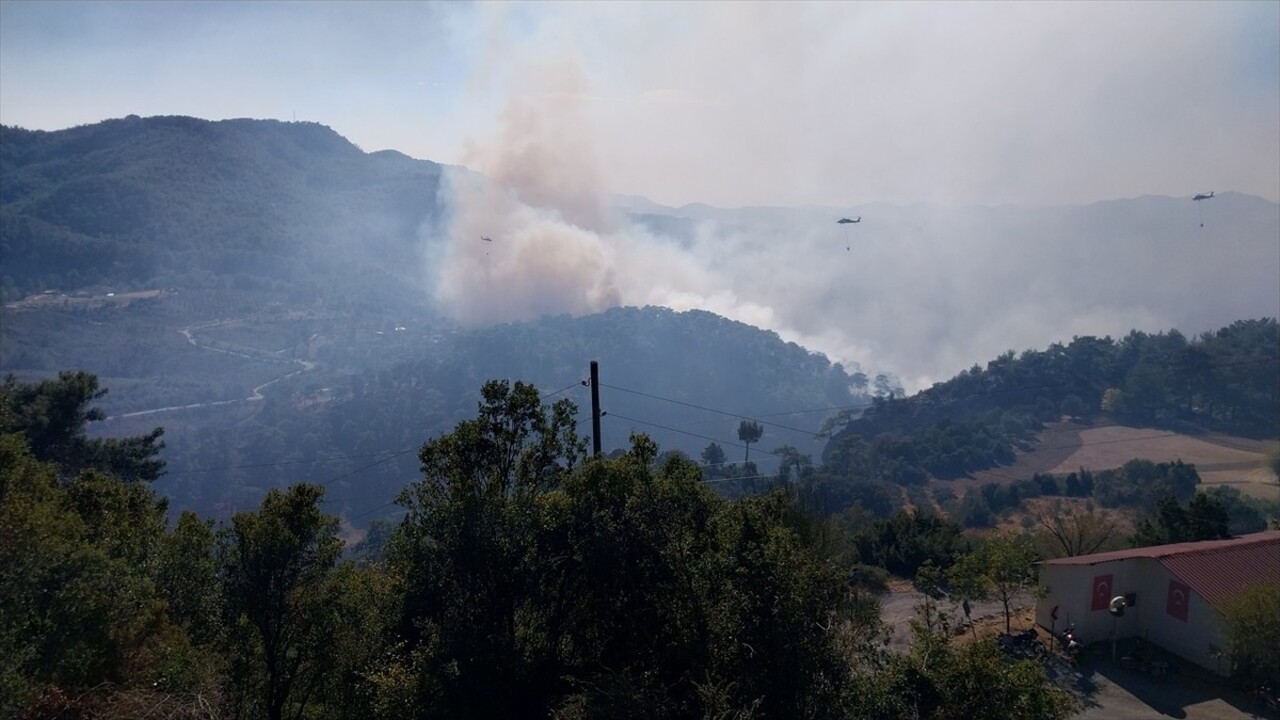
726,103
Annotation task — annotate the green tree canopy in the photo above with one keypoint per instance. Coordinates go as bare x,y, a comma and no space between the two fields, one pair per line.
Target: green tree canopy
1203,518
534,584
52,415
749,431
274,563
1253,633
1002,567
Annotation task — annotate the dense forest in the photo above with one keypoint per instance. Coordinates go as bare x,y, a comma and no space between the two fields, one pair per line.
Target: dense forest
1227,381
523,580
259,249
658,367
517,577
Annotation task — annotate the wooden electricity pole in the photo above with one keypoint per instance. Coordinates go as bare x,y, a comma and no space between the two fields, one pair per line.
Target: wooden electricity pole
595,408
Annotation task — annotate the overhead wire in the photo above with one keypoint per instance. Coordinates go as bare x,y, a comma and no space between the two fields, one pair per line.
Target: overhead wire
566,387
403,452
685,432
703,407
919,397
334,458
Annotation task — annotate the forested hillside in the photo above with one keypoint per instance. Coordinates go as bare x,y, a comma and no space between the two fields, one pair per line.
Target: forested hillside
263,283
281,329
1228,381
523,581
139,203
685,379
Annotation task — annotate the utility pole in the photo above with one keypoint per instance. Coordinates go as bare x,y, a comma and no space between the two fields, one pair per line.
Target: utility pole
595,408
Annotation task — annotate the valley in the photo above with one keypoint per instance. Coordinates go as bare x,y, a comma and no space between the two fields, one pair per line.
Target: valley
578,361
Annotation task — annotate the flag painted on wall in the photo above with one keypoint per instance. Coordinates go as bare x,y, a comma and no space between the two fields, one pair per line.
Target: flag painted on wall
1102,585
1179,599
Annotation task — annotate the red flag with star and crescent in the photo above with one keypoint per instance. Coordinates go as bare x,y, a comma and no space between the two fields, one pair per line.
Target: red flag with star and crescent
1102,585
1179,599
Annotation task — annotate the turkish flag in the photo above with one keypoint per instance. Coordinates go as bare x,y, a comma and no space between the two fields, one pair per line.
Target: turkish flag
1179,599
1102,586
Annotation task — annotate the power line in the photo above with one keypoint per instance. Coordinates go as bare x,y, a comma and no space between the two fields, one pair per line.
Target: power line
566,387
366,467
833,408
703,407
1081,446
920,397
398,454
711,480
338,458
370,512
924,395
684,432
708,481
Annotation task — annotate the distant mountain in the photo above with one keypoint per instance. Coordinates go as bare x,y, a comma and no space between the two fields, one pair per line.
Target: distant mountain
257,288
139,203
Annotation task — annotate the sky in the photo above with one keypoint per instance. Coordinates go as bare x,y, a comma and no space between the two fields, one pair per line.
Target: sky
730,104
926,117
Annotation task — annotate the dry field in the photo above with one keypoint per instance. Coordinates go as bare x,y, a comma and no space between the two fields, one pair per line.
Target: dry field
1220,459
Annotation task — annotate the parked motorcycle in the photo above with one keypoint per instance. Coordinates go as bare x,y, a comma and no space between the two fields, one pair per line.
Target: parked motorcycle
1069,644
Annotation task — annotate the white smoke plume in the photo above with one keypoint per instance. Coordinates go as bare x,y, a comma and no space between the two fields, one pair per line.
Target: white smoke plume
554,243
922,291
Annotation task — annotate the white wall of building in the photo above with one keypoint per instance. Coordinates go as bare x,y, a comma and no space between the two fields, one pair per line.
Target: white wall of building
1190,639
1070,588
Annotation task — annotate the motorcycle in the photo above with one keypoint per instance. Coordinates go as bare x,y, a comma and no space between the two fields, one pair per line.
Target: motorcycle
1068,643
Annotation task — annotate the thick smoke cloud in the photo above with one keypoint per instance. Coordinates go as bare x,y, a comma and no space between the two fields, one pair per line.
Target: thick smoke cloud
922,291
556,244
1047,105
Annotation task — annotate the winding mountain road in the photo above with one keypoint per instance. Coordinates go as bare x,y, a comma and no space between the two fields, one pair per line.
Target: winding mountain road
255,394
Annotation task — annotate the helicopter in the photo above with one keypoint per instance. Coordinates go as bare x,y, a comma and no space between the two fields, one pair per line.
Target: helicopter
847,221
1202,196
486,239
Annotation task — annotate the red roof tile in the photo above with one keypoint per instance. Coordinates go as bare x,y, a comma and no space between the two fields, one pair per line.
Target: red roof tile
1219,574
1162,551
1216,569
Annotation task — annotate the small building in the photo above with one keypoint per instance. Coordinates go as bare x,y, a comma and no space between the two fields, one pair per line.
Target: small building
1175,594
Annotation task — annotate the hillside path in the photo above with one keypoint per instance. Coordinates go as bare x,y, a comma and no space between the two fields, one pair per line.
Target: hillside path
255,394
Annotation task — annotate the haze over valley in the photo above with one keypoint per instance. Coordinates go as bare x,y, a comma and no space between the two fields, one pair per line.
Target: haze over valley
893,305
285,302
247,279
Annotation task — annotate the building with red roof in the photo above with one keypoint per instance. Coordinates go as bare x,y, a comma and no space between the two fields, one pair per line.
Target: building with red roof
1176,594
